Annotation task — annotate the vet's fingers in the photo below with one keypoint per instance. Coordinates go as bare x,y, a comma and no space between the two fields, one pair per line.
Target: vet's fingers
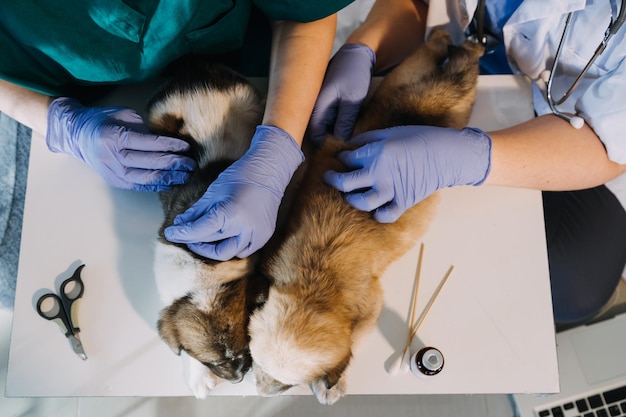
348,181
208,227
364,156
346,118
370,136
389,213
149,188
209,208
154,178
221,251
156,160
322,117
317,135
353,159
144,179
148,142
369,200
128,117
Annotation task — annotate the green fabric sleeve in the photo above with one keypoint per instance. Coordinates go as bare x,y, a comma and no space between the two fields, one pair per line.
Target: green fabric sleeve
300,10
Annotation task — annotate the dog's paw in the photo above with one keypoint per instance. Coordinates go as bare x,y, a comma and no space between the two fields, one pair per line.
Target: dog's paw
202,384
328,395
200,379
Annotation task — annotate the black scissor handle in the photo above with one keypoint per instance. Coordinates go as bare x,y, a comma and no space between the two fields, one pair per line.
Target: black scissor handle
71,290
50,307
59,307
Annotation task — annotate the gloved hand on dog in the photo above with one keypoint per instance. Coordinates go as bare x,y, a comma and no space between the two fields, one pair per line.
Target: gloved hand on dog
345,86
115,142
237,214
396,168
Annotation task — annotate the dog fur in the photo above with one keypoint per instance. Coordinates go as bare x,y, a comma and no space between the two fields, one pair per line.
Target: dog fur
208,302
324,271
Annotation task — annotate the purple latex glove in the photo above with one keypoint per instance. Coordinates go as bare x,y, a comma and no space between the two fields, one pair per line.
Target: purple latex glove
115,142
345,86
396,168
237,214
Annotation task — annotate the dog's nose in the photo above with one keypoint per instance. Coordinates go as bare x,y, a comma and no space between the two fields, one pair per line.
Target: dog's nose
236,381
233,371
233,376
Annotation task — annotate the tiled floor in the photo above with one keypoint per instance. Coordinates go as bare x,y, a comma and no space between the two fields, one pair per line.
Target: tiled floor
362,406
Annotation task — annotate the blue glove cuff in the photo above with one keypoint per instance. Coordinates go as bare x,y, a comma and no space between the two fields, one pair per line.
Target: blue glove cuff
56,132
479,145
274,144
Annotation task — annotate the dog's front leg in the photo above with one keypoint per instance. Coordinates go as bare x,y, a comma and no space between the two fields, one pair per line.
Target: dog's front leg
200,378
329,395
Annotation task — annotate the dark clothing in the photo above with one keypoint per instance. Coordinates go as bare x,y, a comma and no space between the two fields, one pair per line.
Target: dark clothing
586,238
53,47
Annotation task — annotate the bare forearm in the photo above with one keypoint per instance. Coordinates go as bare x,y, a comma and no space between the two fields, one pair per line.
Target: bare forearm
25,106
393,29
299,57
545,153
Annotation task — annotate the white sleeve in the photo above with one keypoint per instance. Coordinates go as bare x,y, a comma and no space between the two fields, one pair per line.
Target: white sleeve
603,106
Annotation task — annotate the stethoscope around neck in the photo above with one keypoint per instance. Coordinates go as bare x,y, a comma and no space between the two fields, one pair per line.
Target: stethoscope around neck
615,24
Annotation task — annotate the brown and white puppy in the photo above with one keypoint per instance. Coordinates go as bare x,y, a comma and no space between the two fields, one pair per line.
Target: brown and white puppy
208,302
325,270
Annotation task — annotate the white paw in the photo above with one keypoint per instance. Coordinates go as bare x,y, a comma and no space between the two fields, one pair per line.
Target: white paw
200,378
328,396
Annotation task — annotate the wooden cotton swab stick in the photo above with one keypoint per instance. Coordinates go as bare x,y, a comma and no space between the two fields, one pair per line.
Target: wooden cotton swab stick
402,360
406,352
418,272
432,301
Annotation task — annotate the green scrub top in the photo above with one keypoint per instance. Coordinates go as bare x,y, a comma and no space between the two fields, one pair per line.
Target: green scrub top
53,46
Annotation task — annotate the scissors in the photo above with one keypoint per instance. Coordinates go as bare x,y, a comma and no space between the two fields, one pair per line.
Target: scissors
58,308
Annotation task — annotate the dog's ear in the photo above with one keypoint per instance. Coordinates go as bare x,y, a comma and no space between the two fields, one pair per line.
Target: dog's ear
168,325
332,377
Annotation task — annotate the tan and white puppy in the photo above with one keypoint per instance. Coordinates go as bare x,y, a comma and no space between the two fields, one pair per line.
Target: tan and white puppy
208,302
324,272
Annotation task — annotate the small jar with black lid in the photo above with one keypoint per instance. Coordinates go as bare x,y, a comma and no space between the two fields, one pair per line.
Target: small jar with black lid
426,362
